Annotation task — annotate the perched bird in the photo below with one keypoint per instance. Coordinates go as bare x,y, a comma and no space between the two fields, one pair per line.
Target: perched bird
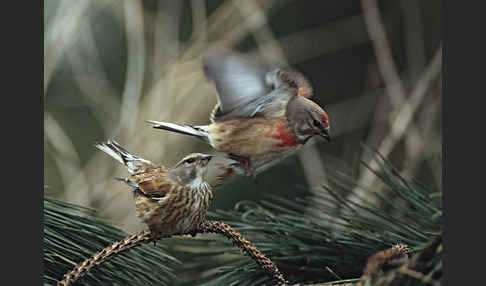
169,200
263,113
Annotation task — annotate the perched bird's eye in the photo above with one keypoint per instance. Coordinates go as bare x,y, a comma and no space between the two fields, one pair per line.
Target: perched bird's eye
190,160
316,123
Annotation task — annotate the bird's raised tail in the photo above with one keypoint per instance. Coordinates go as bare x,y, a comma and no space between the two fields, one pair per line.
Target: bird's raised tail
196,131
115,150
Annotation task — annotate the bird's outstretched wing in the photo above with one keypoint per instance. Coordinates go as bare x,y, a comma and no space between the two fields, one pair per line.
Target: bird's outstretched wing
238,80
246,88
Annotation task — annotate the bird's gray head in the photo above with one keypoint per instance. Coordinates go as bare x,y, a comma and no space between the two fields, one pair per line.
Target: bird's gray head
307,119
191,170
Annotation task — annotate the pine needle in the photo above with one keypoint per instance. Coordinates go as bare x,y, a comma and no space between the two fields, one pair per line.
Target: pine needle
72,234
303,245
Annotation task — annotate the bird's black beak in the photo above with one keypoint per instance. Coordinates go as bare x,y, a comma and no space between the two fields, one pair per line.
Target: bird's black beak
325,134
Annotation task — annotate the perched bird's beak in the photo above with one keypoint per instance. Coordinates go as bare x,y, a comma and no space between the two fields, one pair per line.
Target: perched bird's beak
325,134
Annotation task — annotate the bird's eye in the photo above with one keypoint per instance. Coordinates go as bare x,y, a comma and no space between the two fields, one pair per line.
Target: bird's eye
316,123
190,160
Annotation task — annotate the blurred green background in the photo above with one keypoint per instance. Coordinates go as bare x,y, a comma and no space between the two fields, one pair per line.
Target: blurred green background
110,65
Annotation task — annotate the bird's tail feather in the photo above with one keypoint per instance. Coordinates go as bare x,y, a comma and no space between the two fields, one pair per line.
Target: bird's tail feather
128,182
196,131
115,150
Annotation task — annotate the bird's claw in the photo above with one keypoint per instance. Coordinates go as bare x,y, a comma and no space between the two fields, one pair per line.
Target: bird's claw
245,164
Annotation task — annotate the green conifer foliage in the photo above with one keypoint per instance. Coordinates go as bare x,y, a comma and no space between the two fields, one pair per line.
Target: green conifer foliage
327,237
73,233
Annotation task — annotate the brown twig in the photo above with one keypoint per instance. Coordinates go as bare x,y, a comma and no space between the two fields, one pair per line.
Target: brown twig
376,261
109,252
418,267
148,236
265,263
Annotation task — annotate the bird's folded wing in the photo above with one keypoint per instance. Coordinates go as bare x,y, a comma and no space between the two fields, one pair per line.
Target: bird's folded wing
153,184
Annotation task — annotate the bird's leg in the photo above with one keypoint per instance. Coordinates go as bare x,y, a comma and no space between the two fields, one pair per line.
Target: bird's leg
245,164
154,235
155,240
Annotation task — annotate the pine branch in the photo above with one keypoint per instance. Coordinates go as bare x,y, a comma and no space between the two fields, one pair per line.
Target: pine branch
376,261
309,250
72,233
265,263
81,269
148,236
424,268
312,250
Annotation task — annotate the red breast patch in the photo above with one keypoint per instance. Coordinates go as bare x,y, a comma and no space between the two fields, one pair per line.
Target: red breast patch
324,117
286,139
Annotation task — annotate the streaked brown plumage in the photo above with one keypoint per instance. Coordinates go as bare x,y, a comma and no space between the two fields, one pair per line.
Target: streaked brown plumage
169,200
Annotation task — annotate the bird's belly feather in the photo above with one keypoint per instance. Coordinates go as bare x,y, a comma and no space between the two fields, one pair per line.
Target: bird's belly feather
253,137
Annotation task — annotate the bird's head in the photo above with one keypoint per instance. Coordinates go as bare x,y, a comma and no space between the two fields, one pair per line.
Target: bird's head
191,170
307,119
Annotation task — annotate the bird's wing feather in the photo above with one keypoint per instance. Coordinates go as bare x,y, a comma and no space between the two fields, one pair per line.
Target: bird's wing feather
269,105
247,89
237,80
153,183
